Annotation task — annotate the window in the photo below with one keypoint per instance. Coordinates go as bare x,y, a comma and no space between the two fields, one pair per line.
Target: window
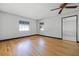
23,26
41,26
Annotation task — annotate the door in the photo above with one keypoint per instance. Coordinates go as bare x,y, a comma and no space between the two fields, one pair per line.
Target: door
70,28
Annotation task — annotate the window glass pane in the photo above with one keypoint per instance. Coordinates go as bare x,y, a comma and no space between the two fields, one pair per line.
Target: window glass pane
42,26
23,26
42,29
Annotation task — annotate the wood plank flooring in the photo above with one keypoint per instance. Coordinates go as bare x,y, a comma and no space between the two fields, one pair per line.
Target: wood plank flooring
38,46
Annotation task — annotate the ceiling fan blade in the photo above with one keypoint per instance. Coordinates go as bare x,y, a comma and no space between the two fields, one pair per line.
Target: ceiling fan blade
71,6
62,7
60,11
54,9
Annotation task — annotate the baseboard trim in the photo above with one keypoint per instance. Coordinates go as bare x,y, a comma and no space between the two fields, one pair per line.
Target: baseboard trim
30,36
18,37
50,36
77,41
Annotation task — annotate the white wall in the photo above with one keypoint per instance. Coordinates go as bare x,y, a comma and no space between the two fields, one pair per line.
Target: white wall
9,26
52,25
0,27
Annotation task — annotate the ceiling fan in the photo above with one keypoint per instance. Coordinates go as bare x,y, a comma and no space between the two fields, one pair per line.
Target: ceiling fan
62,6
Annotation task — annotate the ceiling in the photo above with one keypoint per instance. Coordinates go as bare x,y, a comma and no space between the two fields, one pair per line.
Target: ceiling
32,10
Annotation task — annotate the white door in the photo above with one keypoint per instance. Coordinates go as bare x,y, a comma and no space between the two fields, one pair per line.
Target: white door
69,28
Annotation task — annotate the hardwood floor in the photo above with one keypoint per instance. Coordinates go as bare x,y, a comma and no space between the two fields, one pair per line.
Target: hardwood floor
38,46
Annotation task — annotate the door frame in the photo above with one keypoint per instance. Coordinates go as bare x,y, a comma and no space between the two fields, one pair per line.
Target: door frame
76,26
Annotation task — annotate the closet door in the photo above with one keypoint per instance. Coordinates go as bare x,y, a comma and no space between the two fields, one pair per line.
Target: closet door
69,28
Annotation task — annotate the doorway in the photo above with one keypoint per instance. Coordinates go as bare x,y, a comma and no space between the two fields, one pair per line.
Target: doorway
69,28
